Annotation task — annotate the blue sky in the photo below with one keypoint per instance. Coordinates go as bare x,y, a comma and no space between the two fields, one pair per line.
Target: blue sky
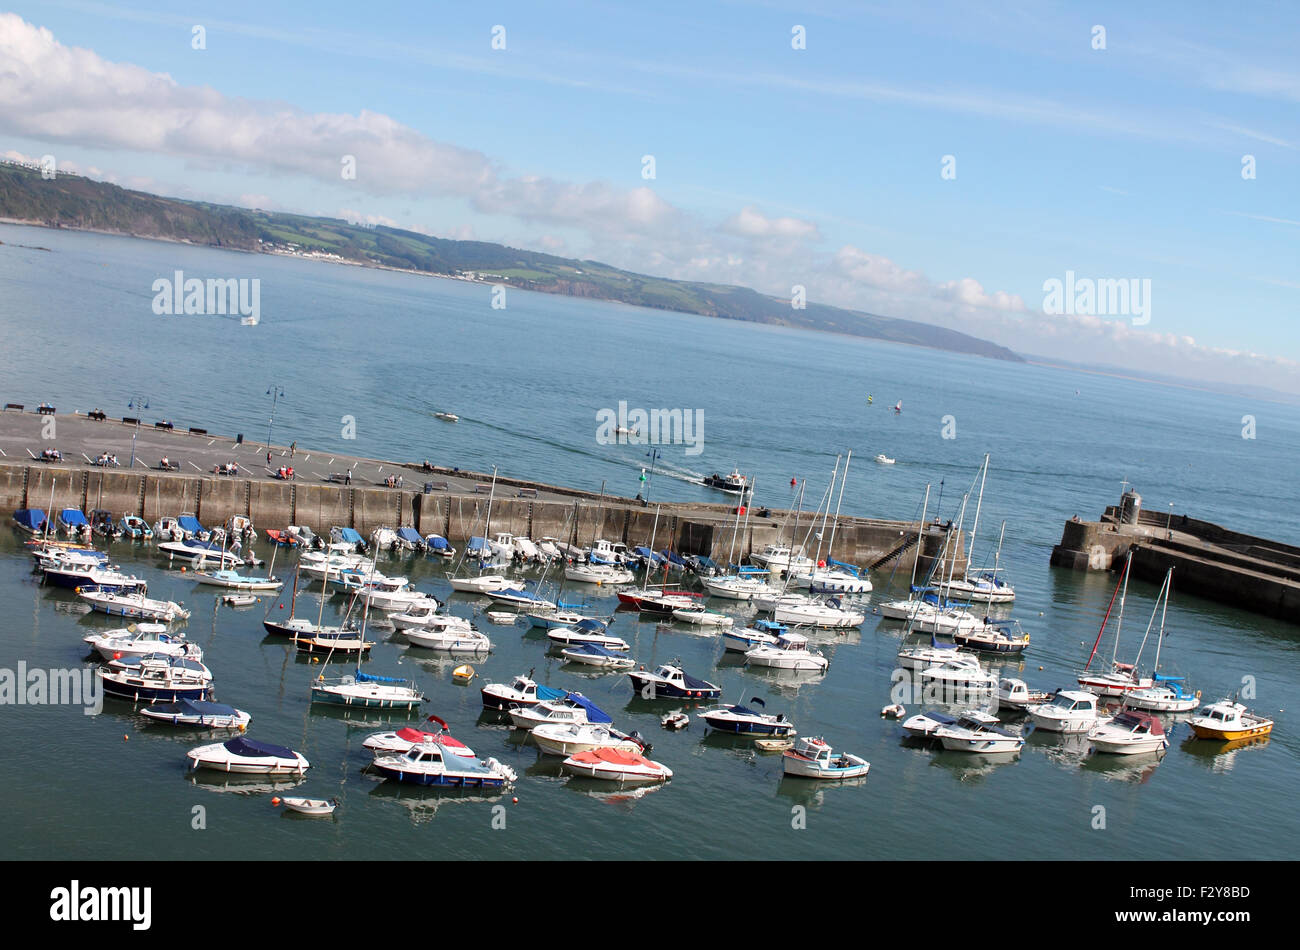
774,166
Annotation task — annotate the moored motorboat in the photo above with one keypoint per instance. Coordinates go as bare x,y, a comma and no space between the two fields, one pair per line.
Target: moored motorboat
812,757
365,691
454,640
1068,710
700,615
400,741
522,691
593,654
615,765
156,679
742,721
248,756
430,764
1129,733
140,640
573,708
236,581
571,738
586,631
671,682
1015,694
977,731
925,725
1228,720
790,652
759,633
198,714
959,677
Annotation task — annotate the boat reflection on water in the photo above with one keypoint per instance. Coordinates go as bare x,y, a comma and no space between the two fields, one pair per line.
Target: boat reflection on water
800,791
787,682
973,766
1220,756
1067,750
243,784
360,715
423,801
622,797
1125,768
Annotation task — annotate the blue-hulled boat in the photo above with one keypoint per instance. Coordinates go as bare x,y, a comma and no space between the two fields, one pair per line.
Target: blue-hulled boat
430,764
156,679
743,721
522,692
671,682
30,520
92,573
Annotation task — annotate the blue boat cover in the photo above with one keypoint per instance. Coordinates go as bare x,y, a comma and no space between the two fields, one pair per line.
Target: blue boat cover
436,542
848,567
549,692
595,649
744,711
257,750
693,683
594,712
371,678
411,535
769,626
190,524
674,558
936,645
198,707
1161,678
349,535
73,518
30,518
749,570
706,562
587,625
476,544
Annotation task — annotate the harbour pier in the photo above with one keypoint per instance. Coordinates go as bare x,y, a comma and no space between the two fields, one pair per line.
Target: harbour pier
1255,574
329,489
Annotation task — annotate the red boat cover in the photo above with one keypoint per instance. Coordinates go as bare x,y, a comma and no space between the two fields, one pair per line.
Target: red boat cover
415,735
613,756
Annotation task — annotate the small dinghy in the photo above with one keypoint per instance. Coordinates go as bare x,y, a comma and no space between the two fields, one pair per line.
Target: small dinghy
501,616
677,720
593,654
813,758
885,459
198,714
614,765
239,600
308,806
463,673
248,756
774,745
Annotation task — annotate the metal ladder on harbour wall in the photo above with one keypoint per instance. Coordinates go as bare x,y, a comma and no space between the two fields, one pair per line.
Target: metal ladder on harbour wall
896,552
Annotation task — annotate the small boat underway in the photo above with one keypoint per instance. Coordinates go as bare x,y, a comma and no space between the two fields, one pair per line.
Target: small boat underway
1130,733
248,756
614,765
885,459
1227,720
813,758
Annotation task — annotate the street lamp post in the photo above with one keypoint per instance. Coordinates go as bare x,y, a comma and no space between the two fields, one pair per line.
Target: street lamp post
139,404
654,456
276,393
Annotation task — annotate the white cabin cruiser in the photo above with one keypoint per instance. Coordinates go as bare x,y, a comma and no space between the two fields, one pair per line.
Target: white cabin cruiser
247,756
790,652
1069,710
571,738
142,639
1129,733
977,731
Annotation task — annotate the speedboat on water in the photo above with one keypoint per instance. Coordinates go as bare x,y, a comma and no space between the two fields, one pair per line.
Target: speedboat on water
248,756
593,654
481,584
885,459
522,691
957,676
401,741
1068,710
201,553
135,528
671,682
1227,720
571,709
790,652
742,721
140,640
733,484
365,691
430,763
132,606
198,714
521,598
236,581
572,738
813,758
1129,733
925,725
614,765
598,574
976,731
586,631
920,657
156,679
759,633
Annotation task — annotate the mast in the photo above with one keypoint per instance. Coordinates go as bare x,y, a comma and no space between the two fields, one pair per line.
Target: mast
998,556
830,548
1169,577
1119,623
745,530
645,582
830,491
920,528
1104,621
952,562
979,502
487,525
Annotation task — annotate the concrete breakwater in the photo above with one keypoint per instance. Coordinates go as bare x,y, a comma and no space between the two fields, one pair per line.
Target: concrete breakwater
446,501
1210,561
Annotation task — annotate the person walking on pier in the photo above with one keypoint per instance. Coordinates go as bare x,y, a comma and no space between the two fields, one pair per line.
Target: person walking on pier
293,449
268,458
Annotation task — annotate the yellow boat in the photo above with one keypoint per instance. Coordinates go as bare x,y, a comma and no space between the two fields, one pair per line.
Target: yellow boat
463,673
1228,720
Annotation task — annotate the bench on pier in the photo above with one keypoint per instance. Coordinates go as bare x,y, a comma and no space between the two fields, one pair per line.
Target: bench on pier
45,409
527,493
164,425
130,421
194,431
482,488
338,478
13,405
430,487
99,415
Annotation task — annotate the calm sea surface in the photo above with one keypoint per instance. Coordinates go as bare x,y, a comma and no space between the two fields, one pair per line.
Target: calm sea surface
527,381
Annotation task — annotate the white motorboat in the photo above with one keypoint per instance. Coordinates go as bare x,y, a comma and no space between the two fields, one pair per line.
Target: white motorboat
236,581
813,758
607,552
984,588
977,731
733,484
586,631
832,614
247,756
201,553
239,600
738,720
919,658
885,459
838,579
571,738
735,588
430,764
790,652
198,714
522,691
780,558
615,765
401,741
592,654
598,574
745,639
449,640
423,615
479,584
1129,733
364,691
1015,694
574,708
700,615
168,529
140,640
957,677
132,606
925,725
1068,710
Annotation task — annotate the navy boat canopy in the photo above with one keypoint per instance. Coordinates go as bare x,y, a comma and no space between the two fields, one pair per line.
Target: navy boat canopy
257,750
410,534
436,542
73,517
595,649
30,518
673,558
349,535
594,713
372,678
190,524
693,683
744,711
198,707
587,625
769,626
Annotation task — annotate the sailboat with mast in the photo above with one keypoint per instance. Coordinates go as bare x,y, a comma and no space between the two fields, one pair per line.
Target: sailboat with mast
1122,678
479,583
835,577
986,587
1166,694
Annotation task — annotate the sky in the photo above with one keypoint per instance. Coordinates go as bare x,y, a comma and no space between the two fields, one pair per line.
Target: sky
941,162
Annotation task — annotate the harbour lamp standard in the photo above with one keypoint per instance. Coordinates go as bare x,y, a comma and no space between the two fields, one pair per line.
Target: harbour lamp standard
139,404
654,457
276,393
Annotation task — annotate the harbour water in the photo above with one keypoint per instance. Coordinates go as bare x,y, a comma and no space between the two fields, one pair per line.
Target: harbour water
527,382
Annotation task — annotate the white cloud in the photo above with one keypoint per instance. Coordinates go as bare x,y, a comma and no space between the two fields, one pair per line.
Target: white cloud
752,223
